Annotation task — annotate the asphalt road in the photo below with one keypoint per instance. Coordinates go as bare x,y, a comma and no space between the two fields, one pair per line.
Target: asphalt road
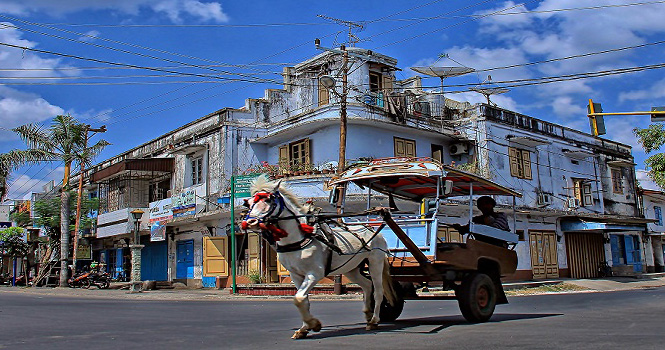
613,320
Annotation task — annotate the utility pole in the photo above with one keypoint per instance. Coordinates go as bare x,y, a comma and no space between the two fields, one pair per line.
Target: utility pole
77,226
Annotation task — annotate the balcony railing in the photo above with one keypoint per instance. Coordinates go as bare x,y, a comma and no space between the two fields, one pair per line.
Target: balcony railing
410,109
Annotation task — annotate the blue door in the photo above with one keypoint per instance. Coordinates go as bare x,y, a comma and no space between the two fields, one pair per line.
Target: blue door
633,256
185,259
153,261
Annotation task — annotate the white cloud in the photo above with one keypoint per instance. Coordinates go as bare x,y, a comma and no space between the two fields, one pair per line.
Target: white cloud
90,36
474,97
22,185
175,10
654,91
18,108
564,106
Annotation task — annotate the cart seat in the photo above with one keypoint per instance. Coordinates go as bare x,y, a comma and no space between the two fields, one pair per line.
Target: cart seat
493,232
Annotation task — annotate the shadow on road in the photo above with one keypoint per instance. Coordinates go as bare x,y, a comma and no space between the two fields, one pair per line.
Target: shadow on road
423,325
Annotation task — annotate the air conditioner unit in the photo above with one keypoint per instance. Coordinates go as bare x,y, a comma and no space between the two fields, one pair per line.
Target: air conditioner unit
573,203
458,148
544,199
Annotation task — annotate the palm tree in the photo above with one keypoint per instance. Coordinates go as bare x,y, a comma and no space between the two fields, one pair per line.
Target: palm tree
65,140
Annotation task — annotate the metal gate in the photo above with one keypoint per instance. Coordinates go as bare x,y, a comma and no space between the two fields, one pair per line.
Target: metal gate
585,254
544,259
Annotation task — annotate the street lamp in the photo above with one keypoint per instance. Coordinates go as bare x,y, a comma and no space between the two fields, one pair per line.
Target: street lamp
136,252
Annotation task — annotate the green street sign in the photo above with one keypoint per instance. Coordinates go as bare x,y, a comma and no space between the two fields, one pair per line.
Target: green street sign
242,185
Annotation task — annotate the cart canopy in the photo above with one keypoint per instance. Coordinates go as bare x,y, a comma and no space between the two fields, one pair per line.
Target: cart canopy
416,178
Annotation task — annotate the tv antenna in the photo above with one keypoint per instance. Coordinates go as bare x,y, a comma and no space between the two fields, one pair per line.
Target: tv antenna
353,38
486,89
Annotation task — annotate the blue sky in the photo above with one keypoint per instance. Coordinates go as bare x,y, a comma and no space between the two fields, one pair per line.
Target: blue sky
264,36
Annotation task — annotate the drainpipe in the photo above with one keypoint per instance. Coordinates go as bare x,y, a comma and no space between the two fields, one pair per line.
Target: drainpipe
207,177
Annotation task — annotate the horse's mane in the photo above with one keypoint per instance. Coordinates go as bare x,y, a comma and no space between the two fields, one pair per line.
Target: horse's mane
263,184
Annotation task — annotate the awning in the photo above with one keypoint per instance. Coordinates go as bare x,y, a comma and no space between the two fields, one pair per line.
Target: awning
567,226
527,141
153,165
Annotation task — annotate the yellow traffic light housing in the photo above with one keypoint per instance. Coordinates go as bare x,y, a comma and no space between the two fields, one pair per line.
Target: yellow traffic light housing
597,122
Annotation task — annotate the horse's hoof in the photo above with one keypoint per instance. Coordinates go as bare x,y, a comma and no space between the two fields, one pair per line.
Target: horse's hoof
299,335
317,326
371,326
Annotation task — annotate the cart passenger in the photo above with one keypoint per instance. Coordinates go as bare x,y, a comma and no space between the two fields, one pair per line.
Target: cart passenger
489,217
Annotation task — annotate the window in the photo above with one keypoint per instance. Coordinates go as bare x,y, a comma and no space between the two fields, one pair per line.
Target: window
520,163
437,153
583,193
197,170
295,153
159,190
375,82
658,211
324,95
404,147
617,181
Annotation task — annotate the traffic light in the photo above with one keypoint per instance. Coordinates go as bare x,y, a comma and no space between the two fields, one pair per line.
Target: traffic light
658,117
597,122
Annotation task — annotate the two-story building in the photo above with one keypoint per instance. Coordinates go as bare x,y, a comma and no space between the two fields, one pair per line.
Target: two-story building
579,191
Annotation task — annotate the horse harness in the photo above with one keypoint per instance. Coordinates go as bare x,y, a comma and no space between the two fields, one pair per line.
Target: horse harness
271,232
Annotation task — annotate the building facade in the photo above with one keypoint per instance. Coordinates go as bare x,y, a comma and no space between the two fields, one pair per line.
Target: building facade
579,192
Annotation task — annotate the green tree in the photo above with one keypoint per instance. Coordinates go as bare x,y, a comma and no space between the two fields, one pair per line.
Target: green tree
652,139
12,243
65,140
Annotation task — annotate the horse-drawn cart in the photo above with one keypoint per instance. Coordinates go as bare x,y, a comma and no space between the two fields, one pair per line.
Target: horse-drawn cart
420,256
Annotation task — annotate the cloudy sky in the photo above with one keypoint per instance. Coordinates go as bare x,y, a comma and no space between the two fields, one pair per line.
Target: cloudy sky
71,45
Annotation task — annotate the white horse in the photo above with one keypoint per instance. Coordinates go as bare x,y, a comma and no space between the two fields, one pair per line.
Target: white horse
275,210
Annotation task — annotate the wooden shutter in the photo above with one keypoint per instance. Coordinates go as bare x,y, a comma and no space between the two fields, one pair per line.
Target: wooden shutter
526,164
253,249
214,257
387,87
410,148
577,190
284,157
324,95
514,162
306,149
400,147
587,195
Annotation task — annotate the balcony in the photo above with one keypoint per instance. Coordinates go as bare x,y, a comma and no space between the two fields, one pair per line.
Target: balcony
410,109
119,222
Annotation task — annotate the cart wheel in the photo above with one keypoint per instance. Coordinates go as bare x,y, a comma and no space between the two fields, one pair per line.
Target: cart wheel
390,313
477,298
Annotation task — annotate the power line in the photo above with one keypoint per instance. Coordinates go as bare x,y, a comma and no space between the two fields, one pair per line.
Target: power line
136,66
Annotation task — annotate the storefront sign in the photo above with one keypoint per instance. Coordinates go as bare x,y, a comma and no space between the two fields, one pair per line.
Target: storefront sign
184,204
5,224
158,231
160,213
243,184
160,210
83,252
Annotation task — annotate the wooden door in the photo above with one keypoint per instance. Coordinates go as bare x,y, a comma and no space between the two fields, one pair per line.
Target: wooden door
585,253
544,257
271,263
253,252
214,257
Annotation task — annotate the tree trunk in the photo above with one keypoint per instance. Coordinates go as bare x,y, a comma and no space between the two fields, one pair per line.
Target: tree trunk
64,237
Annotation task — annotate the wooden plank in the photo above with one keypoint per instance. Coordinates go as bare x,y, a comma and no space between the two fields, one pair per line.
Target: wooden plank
409,244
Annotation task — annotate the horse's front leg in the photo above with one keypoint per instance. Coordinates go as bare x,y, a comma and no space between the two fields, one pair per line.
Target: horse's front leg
301,300
376,271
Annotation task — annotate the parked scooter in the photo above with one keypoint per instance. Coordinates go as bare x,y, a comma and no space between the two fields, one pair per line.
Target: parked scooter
80,280
100,278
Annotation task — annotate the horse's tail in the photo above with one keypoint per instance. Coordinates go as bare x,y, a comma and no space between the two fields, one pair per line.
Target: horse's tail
388,288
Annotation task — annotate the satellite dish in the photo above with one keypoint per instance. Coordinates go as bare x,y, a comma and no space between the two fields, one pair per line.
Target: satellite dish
443,72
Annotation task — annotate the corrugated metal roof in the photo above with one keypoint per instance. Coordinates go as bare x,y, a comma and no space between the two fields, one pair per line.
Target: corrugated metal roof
165,165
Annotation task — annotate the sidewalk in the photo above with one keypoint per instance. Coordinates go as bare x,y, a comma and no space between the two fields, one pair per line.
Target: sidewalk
564,285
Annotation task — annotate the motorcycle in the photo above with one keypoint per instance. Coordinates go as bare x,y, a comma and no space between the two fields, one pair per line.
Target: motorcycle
101,280
80,280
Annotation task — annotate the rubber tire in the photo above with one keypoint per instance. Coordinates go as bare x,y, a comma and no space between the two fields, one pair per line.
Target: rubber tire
477,289
390,313
85,284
